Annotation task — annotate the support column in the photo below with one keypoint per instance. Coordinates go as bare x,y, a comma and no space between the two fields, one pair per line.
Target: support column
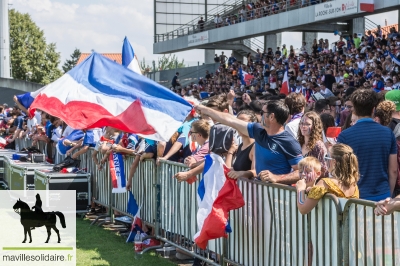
309,37
4,40
358,25
209,56
272,41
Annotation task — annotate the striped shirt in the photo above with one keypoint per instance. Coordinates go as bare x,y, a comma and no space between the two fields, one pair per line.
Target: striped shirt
373,144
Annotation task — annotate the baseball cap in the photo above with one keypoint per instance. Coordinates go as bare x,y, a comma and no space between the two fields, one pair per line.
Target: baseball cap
303,82
394,96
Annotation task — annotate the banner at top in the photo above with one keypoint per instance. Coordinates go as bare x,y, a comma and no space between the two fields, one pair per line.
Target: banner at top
335,9
198,38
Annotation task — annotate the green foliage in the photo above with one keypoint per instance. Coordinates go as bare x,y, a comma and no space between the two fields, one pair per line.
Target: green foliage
169,62
71,63
30,52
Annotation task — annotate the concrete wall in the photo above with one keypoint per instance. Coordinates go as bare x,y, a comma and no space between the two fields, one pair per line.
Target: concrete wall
11,87
299,19
186,75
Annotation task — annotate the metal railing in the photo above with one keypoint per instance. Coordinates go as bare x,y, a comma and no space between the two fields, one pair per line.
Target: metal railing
268,230
370,239
255,13
370,25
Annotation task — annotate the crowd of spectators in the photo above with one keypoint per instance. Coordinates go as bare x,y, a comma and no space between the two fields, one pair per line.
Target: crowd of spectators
241,114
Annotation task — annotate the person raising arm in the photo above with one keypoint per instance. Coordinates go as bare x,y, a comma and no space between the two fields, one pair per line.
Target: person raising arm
277,153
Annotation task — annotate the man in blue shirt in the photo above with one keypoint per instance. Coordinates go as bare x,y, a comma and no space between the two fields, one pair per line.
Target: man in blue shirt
375,147
277,153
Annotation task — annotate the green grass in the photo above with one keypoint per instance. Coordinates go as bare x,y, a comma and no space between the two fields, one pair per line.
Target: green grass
100,247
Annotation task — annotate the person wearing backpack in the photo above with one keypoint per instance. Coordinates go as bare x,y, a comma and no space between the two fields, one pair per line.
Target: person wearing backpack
277,152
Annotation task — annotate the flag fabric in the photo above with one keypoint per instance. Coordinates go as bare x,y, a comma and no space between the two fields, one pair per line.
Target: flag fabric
285,85
217,195
394,59
367,5
245,77
117,172
74,136
99,92
129,58
27,99
133,209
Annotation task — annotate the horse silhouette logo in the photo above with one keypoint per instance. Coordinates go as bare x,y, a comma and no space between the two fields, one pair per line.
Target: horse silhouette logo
31,219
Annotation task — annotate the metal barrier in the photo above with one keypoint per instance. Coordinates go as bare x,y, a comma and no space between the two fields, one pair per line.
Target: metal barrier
268,230
370,239
178,209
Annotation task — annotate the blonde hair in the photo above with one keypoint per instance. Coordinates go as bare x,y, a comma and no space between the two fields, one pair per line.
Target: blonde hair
202,127
310,162
346,168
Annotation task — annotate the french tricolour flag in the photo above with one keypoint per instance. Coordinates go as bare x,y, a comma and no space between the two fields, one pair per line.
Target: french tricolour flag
285,85
27,99
367,5
129,58
245,77
99,92
217,195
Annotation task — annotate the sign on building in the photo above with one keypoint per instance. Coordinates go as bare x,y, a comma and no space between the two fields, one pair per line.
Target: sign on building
198,38
335,9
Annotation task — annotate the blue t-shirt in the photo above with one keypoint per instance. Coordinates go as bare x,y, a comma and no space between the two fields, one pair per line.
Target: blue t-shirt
373,144
19,121
275,153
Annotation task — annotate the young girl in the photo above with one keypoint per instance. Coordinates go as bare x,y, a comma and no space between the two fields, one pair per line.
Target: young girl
343,166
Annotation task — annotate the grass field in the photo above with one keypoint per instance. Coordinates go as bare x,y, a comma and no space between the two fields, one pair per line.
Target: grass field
99,247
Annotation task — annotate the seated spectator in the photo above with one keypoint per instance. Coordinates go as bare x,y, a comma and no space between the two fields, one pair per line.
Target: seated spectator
343,166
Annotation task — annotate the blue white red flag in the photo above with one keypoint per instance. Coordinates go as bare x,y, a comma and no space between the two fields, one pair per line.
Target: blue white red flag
129,58
26,99
117,173
99,92
245,77
134,209
217,195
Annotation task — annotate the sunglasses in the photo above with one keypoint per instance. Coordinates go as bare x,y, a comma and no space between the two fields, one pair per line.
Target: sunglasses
262,113
192,132
328,160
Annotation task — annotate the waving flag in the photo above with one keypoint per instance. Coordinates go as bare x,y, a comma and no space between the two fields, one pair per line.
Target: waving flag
217,195
285,85
245,77
134,209
129,59
99,92
367,5
26,99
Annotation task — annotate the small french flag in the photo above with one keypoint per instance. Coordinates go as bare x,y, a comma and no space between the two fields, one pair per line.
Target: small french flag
285,85
129,59
367,5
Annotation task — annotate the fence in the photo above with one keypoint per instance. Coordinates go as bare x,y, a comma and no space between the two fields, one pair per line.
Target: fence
268,230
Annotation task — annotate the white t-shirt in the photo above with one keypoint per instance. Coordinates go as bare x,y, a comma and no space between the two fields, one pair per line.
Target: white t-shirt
293,127
67,131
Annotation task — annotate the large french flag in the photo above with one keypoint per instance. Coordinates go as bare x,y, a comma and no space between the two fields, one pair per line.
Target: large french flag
129,58
285,85
27,99
217,195
367,5
99,92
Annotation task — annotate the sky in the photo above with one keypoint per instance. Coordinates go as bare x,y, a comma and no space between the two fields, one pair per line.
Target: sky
101,25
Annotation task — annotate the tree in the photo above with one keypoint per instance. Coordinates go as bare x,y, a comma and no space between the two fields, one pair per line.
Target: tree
168,62
71,63
29,51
